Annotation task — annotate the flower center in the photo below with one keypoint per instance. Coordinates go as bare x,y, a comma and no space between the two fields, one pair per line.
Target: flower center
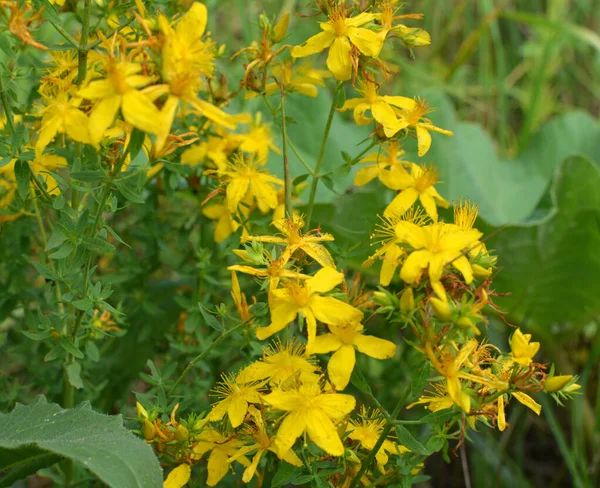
338,20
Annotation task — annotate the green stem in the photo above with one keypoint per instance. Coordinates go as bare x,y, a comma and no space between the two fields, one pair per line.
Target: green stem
286,166
317,170
300,158
39,185
83,49
6,105
382,437
200,356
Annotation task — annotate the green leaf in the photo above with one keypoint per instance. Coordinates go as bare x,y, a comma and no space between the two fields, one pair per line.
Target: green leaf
19,463
74,375
98,442
36,336
42,269
285,474
92,176
22,175
71,348
17,138
92,352
96,244
84,304
419,379
209,318
136,141
129,193
56,239
359,381
407,440
64,251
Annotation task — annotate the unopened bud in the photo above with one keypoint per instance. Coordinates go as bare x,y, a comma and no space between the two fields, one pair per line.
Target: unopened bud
557,383
148,430
467,323
407,300
441,308
382,298
281,28
141,411
480,271
182,434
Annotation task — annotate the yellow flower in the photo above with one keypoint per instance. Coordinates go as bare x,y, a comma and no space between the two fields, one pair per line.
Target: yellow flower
239,299
411,36
527,401
261,443
416,185
186,59
42,165
383,165
235,399
279,363
258,140
340,34
343,339
302,79
380,107
119,91
178,477
436,246
226,224
413,118
522,350
305,298
436,400
367,429
275,271
245,179
294,240
215,149
311,411
221,449
61,115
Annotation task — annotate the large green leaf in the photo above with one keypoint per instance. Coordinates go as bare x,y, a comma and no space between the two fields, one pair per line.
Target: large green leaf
44,432
552,265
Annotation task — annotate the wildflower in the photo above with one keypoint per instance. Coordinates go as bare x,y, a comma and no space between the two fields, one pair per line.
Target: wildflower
61,114
119,90
343,339
522,349
178,477
413,118
437,400
383,165
380,107
435,246
215,150
239,299
244,179
221,448
258,140
301,79
261,443
274,272
339,34
294,240
305,298
186,59
410,36
225,222
416,185
367,429
526,400
279,363
312,411
235,399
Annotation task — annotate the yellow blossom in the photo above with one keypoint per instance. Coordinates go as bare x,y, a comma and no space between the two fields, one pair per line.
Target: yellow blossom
437,400
380,107
235,399
178,477
413,119
367,429
384,165
287,303
275,271
258,140
522,349
302,78
279,363
239,299
342,340
225,222
311,411
221,448
42,165
340,34
416,185
119,90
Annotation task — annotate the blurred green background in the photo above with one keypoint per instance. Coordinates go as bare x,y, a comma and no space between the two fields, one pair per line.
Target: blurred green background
517,82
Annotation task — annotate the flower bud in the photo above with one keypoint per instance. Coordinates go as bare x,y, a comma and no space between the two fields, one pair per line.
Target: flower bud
281,28
441,308
182,434
382,298
141,411
407,300
467,323
557,383
148,430
480,271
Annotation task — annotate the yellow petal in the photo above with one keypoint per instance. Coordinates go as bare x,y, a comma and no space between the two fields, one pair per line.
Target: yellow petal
401,202
213,113
218,466
501,414
326,343
528,401
263,192
324,280
97,89
313,45
384,114
400,102
366,174
462,264
338,60
236,190
250,470
139,111
290,429
236,411
340,366
333,311
367,41
424,140
193,23
336,405
414,264
429,205
359,19
76,125
374,346
359,114
323,433
51,123
103,116
282,313
166,118
319,253
390,264
178,477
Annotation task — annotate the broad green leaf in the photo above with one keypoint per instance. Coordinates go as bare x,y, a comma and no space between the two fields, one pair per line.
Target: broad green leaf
98,442
22,175
407,440
74,375
17,464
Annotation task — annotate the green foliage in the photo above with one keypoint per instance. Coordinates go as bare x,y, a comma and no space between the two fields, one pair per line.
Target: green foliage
43,433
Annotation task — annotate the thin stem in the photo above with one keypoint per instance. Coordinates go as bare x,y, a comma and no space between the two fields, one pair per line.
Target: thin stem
200,356
39,185
6,105
317,170
83,49
300,158
286,166
465,465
